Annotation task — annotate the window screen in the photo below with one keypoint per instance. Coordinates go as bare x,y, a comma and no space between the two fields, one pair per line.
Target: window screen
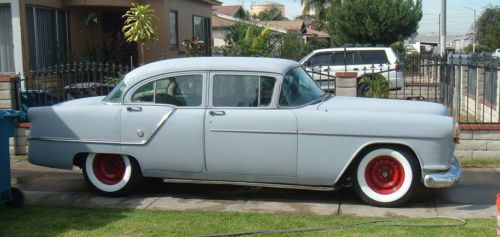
242,91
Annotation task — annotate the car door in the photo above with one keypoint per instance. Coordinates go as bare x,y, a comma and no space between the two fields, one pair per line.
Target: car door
245,133
162,122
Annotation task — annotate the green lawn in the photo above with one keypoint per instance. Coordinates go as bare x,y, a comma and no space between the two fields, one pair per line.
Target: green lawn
58,221
493,163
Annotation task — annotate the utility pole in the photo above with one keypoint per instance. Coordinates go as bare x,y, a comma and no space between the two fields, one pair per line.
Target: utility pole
473,30
442,29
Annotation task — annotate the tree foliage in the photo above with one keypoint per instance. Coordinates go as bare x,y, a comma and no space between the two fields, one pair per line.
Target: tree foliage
139,26
251,40
373,22
488,28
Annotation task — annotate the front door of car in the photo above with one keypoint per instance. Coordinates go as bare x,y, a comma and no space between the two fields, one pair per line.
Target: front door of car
162,123
244,133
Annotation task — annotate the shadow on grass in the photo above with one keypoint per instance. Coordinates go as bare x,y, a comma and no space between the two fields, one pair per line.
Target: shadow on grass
55,221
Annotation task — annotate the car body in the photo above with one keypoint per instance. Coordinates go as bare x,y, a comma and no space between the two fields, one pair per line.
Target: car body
324,63
249,121
496,54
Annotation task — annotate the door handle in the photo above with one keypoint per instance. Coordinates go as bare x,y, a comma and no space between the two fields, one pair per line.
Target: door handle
217,113
134,108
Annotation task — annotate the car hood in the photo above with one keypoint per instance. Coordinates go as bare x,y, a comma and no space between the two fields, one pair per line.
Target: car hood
383,105
84,101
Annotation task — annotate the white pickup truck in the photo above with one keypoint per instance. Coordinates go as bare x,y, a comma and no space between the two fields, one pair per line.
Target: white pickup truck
496,54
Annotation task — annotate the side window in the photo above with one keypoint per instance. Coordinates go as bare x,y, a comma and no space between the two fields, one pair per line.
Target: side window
298,89
321,59
341,58
178,91
144,93
373,57
242,90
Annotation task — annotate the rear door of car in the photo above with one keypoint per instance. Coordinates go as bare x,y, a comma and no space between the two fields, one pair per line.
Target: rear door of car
162,122
245,133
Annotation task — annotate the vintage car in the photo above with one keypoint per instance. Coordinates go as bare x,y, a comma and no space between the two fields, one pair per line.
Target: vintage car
246,121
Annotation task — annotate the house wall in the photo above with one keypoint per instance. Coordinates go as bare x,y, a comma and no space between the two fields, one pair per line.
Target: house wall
186,9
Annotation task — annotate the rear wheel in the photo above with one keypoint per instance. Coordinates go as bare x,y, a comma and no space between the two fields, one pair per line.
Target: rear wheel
111,174
386,176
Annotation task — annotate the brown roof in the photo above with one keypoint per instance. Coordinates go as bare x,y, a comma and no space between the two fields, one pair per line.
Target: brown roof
218,21
226,10
295,25
318,34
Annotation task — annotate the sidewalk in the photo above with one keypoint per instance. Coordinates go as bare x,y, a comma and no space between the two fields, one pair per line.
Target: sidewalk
473,197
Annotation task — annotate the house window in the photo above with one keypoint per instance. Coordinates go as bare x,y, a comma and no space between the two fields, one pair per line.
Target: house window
47,36
201,30
174,36
6,44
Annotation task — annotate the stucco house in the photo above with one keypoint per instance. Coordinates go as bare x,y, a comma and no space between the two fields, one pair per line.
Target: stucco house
40,33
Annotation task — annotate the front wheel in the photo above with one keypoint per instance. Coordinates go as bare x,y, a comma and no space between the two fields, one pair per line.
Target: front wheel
386,176
111,174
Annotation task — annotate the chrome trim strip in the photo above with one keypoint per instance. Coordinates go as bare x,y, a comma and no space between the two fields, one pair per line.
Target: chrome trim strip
355,135
61,139
253,184
108,142
252,131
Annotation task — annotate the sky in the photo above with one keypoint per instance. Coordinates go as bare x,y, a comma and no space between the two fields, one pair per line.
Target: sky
459,17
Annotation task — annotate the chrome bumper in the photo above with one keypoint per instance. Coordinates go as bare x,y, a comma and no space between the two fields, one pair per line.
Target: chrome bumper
446,178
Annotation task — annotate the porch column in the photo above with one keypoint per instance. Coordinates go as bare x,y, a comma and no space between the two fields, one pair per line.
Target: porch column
15,7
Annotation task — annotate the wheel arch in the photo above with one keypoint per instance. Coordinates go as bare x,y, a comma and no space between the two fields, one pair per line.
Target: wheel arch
362,150
79,159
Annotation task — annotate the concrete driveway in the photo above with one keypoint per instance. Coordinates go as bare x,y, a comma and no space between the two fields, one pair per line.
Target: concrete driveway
474,196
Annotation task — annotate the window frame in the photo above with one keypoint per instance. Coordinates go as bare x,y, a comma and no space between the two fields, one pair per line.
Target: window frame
272,104
176,45
207,26
127,98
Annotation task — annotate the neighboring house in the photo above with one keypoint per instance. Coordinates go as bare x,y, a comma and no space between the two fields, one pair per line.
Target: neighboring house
257,8
235,11
40,33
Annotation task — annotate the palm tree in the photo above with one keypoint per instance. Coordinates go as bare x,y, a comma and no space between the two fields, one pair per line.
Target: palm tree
139,27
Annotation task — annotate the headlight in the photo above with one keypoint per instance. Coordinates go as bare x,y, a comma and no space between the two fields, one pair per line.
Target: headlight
456,133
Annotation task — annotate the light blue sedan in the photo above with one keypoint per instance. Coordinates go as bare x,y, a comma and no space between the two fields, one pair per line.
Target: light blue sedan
246,121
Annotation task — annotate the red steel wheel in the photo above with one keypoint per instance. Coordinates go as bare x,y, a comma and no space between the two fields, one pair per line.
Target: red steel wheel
111,174
108,168
386,176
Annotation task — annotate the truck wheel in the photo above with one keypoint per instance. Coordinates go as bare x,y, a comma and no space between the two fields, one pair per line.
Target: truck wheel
111,174
386,176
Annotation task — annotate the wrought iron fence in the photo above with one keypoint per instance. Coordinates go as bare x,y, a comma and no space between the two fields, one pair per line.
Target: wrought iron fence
64,82
468,86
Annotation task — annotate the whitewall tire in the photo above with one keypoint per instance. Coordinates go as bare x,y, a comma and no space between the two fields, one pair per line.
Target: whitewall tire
111,174
386,176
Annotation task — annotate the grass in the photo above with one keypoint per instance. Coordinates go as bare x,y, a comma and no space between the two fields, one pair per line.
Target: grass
481,163
59,221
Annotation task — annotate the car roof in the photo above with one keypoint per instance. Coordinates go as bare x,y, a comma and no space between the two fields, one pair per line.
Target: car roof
350,48
254,64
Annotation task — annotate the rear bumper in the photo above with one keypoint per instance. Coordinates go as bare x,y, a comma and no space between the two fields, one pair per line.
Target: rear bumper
445,178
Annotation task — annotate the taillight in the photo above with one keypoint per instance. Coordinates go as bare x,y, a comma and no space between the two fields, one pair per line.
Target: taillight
398,66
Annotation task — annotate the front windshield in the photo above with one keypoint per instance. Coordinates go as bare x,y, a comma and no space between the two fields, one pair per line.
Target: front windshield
299,89
116,94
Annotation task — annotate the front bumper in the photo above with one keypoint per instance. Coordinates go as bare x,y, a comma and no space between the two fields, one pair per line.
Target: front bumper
446,178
